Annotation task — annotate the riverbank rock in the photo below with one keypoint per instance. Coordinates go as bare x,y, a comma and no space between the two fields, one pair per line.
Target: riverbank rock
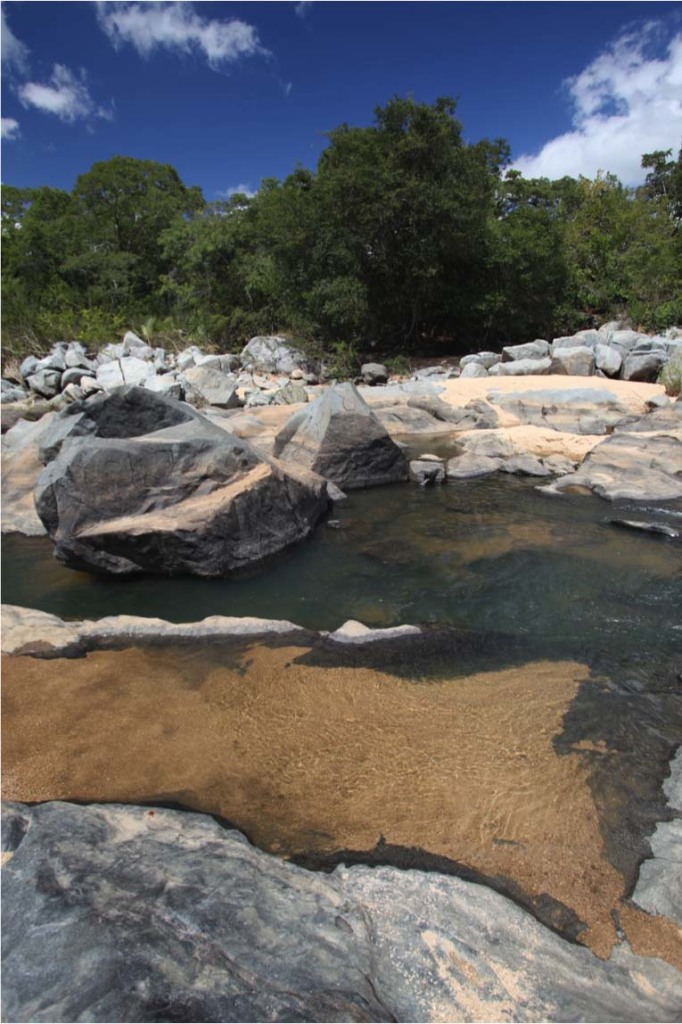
137,913
206,385
339,437
189,498
630,465
373,373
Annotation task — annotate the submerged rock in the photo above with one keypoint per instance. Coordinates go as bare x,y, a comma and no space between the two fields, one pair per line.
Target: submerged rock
134,913
339,437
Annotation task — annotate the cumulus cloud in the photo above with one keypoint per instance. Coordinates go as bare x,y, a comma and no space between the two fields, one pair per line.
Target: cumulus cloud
627,102
65,95
178,28
10,128
14,52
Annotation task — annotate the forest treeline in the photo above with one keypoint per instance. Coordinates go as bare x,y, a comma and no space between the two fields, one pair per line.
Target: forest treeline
405,239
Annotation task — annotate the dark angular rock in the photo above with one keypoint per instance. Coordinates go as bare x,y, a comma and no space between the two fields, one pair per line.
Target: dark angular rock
644,367
339,437
187,499
129,411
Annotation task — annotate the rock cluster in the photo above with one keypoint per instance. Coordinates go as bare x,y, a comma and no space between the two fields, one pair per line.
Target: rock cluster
611,351
261,372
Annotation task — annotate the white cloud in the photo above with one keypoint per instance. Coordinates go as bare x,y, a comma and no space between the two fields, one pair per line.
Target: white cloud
10,129
177,27
303,7
625,103
65,95
14,52
239,190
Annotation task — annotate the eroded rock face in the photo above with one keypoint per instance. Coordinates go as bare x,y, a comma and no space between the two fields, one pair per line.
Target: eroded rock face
190,498
133,913
339,437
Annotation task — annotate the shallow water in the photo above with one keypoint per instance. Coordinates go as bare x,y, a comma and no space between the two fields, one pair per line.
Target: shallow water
527,744
488,555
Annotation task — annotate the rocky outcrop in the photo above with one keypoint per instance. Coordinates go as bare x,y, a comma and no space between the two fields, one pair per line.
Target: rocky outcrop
138,913
190,498
574,410
339,437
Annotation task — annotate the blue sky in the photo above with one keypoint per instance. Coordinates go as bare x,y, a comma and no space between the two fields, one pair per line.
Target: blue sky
230,93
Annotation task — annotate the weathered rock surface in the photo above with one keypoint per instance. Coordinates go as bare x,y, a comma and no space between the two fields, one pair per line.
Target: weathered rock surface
188,498
132,913
630,465
339,437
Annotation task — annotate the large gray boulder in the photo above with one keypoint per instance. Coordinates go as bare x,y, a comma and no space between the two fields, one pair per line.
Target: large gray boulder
608,360
339,437
538,349
273,354
124,913
577,361
473,369
127,412
644,366
190,498
126,370
205,385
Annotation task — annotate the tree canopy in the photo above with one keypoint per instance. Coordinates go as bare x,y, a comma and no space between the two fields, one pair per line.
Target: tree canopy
406,237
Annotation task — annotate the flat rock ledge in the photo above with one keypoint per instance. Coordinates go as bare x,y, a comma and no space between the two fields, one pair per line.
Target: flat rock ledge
30,631
116,913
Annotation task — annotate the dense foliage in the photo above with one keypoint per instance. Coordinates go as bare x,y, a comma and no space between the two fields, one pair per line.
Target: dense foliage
406,238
